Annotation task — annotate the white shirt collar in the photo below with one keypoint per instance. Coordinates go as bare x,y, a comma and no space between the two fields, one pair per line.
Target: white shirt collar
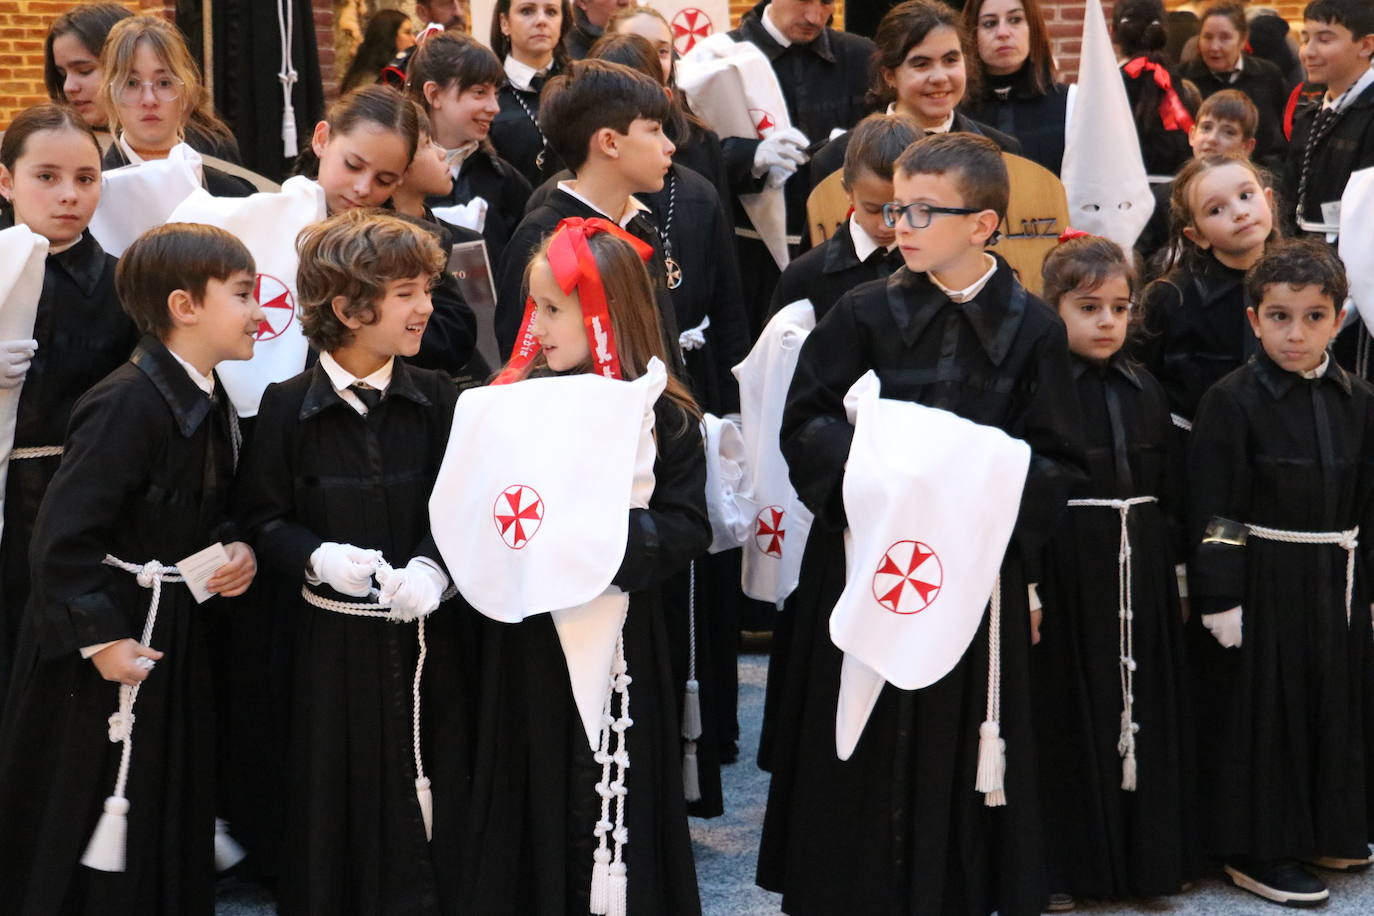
1354,92
456,157
944,128
521,75
968,292
341,379
133,157
863,242
773,31
635,207
1319,371
205,383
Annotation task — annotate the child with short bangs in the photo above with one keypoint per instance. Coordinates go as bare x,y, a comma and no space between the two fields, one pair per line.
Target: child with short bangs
1282,498
334,493
1114,771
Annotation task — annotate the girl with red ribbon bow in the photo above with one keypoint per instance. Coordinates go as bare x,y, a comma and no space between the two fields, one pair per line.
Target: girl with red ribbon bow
1162,120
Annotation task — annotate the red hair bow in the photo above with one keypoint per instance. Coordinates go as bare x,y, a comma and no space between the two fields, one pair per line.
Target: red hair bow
1172,111
574,268
1072,233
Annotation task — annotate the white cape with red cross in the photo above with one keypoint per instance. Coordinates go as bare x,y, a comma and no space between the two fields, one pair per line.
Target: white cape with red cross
267,223
23,263
931,500
531,509
135,198
778,522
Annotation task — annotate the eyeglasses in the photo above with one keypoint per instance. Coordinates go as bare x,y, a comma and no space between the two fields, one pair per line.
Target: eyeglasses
918,216
130,92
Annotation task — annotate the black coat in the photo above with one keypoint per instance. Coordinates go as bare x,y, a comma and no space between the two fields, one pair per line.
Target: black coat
1195,329
1262,82
898,828
219,184
146,476
486,175
828,271
539,223
1279,773
830,157
1012,106
1107,842
516,134
319,471
1164,151
83,335
1347,148
581,36
534,803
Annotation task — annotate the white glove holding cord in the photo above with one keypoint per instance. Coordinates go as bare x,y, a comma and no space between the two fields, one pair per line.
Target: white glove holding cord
414,591
782,151
1225,626
15,357
344,568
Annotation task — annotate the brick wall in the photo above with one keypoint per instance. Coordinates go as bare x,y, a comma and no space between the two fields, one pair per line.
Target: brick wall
23,26
324,40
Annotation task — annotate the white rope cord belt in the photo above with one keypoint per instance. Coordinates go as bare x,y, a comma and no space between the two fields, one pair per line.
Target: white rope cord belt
691,697
610,880
992,749
376,611
1126,741
1346,540
1181,423
106,849
36,451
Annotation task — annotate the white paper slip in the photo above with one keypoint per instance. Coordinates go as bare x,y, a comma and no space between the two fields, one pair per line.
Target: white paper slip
199,568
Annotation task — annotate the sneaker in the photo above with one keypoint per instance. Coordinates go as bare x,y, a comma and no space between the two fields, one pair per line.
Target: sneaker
1284,882
1337,863
1060,903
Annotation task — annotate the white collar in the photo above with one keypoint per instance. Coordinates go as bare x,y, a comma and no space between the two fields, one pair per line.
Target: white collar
863,242
1319,371
636,206
968,292
133,157
944,128
342,379
766,17
1354,92
205,383
521,75
455,158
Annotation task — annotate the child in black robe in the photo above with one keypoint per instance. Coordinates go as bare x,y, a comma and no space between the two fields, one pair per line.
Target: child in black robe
336,481
1281,478
1110,697
145,480
898,827
80,331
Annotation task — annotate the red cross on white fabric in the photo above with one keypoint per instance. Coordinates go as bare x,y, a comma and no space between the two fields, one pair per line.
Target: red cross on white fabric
519,512
690,25
278,305
908,579
768,531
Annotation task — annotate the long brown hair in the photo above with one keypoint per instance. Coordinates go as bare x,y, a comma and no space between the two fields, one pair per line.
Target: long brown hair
904,27
1040,60
1181,202
634,315
90,23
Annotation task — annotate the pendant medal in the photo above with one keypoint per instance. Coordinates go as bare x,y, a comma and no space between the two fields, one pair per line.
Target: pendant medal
673,272
539,160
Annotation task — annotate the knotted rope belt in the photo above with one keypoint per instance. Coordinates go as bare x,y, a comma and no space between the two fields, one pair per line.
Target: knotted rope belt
1346,540
992,748
1126,740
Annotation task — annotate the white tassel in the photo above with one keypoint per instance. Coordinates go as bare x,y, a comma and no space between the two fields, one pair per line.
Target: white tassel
691,778
691,711
105,852
601,882
992,764
1128,774
426,799
618,887
228,852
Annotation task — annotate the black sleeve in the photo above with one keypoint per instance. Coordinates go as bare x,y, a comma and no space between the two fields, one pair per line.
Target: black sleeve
675,529
451,335
729,331
739,165
1162,298
1219,472
445,397
510,283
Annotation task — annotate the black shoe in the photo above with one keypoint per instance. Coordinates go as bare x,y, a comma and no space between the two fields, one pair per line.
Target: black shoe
1060,903
1341,864
1284,882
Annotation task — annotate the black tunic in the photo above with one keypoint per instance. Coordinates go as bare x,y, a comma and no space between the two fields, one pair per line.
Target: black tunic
516,134
581,36
534,802
146,476
318,471
486,175
1012,106
1263,84
1104,841
1281,764
219,184
83,335
1195,329
1163,150
1347,148
899,828
828,271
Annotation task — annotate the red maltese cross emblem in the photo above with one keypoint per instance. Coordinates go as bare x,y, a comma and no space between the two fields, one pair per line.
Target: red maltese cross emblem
908,579
518,513
690,25
763,121
768,531
278,306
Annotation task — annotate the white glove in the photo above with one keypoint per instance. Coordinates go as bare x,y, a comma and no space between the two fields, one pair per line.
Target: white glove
345,568
1225,626
15,356
412,592
784,149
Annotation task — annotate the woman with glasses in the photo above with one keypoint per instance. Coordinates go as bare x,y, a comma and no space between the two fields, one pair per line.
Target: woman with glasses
154,100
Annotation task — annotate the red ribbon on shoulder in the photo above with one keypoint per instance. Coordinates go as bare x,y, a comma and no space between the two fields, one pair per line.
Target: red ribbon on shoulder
574,268
1172,111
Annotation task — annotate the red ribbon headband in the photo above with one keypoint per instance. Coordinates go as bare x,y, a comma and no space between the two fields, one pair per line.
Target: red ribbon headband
574,268
1172,111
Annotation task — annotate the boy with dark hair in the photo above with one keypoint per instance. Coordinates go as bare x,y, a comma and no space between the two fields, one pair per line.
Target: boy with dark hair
145,481
1334,137
898,827
863,248
606,122
1281,493
335,487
